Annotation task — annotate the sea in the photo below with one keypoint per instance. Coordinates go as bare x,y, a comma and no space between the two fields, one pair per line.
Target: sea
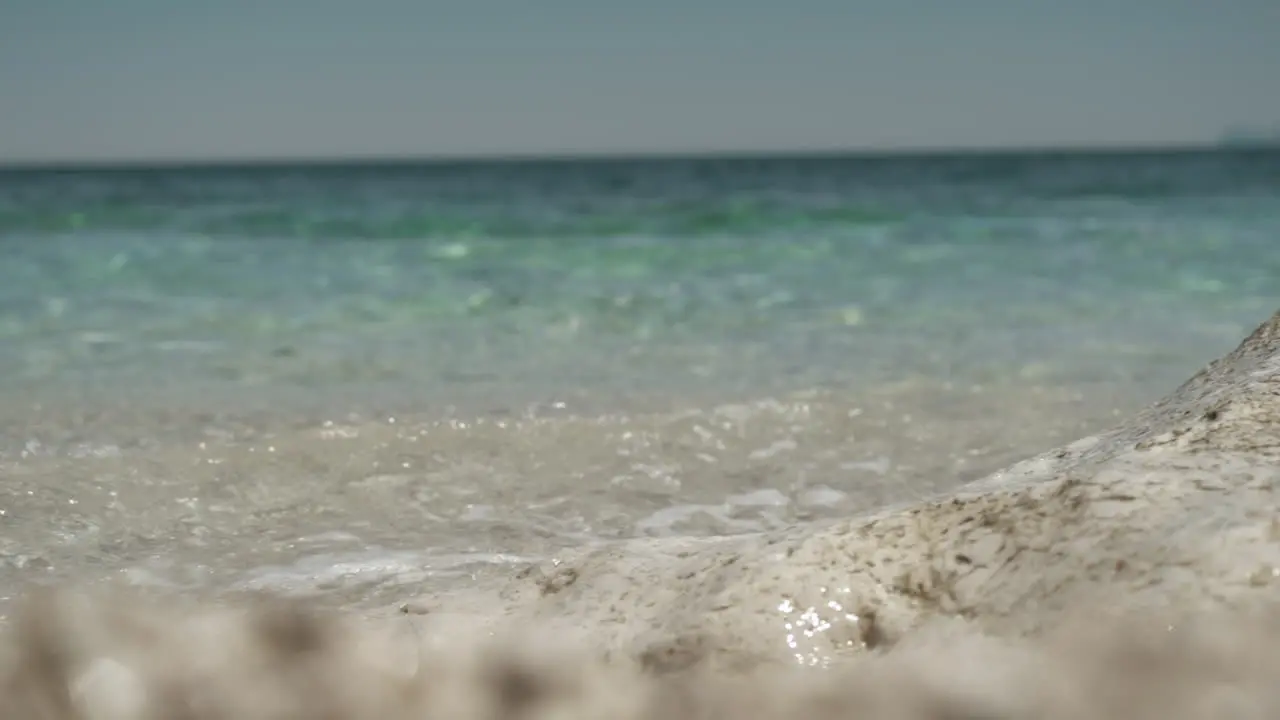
360,382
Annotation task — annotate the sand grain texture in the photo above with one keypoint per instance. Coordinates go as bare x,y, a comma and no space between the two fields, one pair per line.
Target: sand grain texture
1132,574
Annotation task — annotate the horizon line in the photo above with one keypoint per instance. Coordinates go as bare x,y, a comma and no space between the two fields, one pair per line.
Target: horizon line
533,158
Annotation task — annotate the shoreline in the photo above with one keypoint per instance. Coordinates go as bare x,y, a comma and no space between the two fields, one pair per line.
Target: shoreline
1098,531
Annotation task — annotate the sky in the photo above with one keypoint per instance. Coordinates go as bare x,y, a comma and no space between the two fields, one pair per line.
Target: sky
87,80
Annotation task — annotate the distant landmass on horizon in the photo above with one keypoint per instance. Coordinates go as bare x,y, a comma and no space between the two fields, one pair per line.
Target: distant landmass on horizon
1251,137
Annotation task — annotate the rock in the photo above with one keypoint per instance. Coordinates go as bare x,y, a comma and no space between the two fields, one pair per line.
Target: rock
1174,509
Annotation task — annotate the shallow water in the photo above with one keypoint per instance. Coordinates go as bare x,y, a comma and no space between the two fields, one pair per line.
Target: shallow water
357,383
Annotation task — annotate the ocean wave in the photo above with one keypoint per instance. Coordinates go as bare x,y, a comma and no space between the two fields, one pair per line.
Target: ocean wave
671,219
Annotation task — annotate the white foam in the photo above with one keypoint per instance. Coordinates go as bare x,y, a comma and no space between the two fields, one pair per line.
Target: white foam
323,572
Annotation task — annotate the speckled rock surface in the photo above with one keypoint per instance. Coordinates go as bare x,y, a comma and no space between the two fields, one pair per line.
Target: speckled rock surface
1174,509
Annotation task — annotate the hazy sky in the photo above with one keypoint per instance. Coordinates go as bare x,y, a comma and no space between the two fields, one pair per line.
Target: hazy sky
134,79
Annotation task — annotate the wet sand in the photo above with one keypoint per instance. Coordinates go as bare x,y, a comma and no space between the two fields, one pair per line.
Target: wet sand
362,511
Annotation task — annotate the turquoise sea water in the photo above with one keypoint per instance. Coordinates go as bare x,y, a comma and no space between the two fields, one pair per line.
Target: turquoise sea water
354,380
493,284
